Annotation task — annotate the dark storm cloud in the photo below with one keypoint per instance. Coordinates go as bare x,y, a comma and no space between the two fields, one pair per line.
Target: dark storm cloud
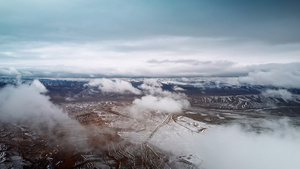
273,21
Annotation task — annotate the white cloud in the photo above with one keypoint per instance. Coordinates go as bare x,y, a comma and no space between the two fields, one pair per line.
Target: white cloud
157,100
153,87
232,147
152,82
39,86
10,71
114,86
25,104
156,56
162,104
281,93
286,75
177,88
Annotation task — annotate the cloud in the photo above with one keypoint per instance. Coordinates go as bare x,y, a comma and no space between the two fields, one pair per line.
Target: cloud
180,61
161,104
16,105
10,71
233,148
159,56
25,104
152,83
147,19
38,86
281,93
176,88
278,75
157,100
114,86
154,87
285,75
276,146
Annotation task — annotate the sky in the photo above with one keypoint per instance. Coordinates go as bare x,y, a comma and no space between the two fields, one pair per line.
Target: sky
96,38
